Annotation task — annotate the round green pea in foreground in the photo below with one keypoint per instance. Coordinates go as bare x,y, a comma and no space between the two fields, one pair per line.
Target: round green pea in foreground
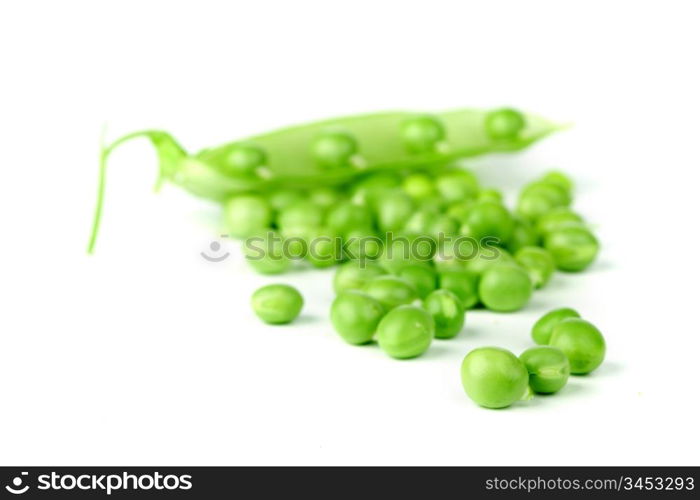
355,316
447,312
247,215
463,283
391,291
406,332
354,275
245,159
277,304
582,343
422,278
542,329
422,134
334,149
505,288
504,123
548,368
538,262
574,248
494,378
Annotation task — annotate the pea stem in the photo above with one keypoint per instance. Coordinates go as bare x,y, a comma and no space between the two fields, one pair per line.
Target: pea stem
169,151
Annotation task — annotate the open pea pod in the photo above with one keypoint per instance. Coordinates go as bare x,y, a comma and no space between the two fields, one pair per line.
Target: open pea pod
333,152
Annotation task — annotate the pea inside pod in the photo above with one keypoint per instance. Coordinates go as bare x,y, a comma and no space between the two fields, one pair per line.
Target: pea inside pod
329,153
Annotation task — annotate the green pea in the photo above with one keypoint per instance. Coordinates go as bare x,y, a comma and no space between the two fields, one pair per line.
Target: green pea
538,262
427,222
405,332
504,123
560,179
548,368
422,277
582,343
455,254
403,251
505,288
463,283
443,225
348,216
334,149
280,199
434,204
557,218
393,210
422,134
418,186
353,276
277,304
447,312
487,256
324,197
362,246
539,198
420,222
488,218
457,185
573,248
244,159
391,291
460,209
490,194
355,316
265,253
524,235
494,378
542,329
290,162
369,188
247,215
299,217
323,247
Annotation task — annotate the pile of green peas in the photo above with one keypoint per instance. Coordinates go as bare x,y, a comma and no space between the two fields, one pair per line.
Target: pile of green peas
568,345
391,294
400,297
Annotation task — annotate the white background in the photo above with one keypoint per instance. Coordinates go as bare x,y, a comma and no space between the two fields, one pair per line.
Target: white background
147,354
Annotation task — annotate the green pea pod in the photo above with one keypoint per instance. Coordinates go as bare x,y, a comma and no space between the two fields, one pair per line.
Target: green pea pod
332,152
